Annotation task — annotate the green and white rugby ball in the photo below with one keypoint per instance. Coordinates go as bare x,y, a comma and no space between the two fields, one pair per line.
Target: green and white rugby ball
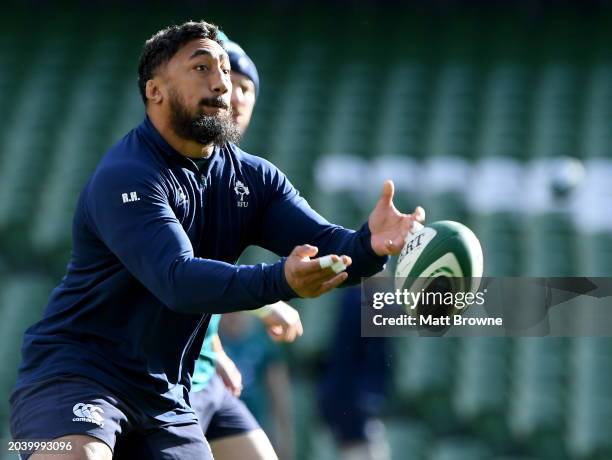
443,253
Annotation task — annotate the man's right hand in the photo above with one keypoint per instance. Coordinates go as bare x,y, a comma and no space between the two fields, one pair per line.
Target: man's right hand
305,275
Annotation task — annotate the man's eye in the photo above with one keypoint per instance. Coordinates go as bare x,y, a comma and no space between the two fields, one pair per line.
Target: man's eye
201,67
226,71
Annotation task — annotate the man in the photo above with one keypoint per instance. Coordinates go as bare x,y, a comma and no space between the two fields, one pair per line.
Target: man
354,384
155,239
228,425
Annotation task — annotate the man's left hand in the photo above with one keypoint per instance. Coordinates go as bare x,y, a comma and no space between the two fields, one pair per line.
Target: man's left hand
388,226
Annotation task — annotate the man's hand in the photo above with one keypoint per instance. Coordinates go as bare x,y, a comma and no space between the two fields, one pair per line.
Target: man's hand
305,275
229,373
282,322
388,226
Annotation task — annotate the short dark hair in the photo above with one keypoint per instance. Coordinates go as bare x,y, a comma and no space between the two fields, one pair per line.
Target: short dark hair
162,46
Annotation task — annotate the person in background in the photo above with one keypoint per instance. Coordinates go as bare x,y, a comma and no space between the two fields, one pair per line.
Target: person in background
265,378
354,384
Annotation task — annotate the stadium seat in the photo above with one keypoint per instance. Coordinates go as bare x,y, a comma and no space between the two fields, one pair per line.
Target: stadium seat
505,112
408,435
556,111
453,117
482,385
31,128
597,140
537,410
459,448
22,299
308,428
424,366
590,405
403,115
80,144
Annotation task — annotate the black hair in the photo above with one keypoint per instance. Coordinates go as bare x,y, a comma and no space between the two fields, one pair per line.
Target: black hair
162,46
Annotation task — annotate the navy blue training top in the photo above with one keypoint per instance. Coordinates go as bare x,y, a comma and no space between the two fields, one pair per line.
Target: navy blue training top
155,241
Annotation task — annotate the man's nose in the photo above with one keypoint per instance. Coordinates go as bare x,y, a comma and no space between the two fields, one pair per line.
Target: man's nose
221,83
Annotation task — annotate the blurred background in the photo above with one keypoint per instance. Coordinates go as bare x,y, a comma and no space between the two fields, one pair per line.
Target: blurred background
497,114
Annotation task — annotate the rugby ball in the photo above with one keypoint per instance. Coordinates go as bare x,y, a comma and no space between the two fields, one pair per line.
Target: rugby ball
442,255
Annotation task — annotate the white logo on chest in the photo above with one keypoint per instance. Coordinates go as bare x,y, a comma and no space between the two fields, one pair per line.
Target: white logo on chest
241,190
182,197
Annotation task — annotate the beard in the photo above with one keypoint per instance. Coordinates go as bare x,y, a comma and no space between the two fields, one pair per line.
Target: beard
204,129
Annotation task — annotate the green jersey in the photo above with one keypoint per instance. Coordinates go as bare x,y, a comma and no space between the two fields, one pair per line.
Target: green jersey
207,361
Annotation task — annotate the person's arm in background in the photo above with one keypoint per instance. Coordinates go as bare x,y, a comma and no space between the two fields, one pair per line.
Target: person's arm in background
226,369
282,323
281,320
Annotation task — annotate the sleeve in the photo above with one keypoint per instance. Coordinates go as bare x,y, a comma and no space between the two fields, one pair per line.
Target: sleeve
130,211
288,221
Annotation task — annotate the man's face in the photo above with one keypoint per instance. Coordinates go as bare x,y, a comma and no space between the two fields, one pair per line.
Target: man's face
243,100
197,93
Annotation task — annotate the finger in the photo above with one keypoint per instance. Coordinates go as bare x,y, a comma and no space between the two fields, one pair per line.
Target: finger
299,328
329,261
276,330
407,225
311,267
291,334
386,196
419,214
334,282
278,338
346,260
311,271
305,250
317,279
286,335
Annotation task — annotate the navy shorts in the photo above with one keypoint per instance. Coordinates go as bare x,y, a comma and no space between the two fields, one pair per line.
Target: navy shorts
221,413
73,405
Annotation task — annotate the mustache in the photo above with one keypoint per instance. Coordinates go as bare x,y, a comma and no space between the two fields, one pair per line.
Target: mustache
217,102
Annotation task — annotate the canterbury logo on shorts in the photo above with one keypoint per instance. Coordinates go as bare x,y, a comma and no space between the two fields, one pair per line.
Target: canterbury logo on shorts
88,413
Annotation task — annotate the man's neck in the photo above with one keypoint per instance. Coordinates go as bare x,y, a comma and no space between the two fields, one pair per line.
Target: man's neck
189,149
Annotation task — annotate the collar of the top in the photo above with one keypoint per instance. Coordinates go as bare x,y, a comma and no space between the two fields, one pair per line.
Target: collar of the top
162,145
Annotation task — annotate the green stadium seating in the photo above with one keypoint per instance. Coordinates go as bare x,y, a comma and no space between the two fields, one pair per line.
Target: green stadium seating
505,111
32,128
537,409
556,111
22,299
404,111
424,366
80,144
502,238
483,385
553,246
590,406
408,436
459,448
597,140
454,112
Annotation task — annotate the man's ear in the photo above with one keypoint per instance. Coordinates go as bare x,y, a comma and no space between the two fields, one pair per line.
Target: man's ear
153,91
